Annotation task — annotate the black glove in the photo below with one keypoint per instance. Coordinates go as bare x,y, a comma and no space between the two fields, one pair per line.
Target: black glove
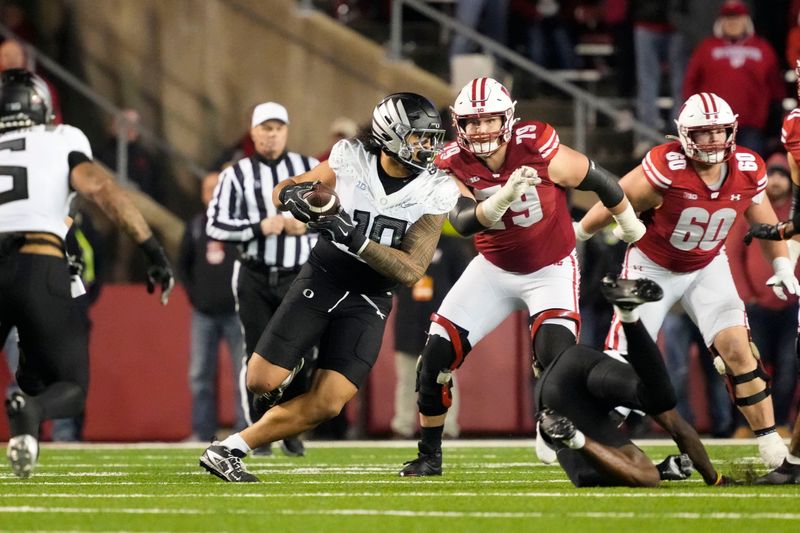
291,197
159,272
675,468
340,228
767,232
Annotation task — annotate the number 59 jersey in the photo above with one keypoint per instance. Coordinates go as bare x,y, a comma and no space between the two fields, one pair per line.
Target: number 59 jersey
536,231
687,231
34,177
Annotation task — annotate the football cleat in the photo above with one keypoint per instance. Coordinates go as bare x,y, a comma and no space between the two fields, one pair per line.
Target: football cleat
262,451
628,294
22,453
555,426
226,463
786,474
293,447
426,464
675,467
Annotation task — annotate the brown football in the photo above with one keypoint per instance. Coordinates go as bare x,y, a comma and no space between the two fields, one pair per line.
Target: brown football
322,200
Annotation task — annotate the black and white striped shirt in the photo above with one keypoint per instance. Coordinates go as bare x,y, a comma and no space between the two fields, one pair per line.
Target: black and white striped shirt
243,197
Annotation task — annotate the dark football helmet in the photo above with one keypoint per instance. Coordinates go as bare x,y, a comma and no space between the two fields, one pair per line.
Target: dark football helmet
24,100
408,127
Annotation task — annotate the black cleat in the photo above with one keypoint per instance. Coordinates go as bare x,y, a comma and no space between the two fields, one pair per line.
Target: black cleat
786,474
263,451
293,447
226,463
675,468
556,427
628,294
426,464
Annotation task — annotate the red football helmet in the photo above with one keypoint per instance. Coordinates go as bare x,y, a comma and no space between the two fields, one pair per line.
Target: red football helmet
480,98
704,112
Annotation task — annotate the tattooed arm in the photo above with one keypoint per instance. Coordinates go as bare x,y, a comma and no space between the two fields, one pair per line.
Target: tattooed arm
408,264
97,185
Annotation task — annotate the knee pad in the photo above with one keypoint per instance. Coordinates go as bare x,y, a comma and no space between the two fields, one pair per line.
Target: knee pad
434,369
555,338
732,380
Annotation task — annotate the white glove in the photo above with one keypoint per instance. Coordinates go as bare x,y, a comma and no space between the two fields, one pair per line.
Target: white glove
521,179
629,228
783,278
580,233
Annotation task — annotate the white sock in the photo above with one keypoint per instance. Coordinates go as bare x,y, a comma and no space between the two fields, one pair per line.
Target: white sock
627,315
793,459
576,442
236,442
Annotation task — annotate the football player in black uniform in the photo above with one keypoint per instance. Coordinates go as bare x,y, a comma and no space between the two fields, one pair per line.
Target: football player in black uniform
46,164
580,389
394,202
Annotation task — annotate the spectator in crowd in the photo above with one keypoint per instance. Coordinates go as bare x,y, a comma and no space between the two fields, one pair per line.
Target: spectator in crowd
13,55
341,128
694,20
656,43
793,42
740,67
206,268
489,17
273,245
773,322
680,333
142,167
547,34
412,318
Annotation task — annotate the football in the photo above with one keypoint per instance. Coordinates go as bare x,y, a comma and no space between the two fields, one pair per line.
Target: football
322,200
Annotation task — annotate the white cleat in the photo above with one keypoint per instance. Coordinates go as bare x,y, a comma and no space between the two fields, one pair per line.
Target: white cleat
545,453
22,453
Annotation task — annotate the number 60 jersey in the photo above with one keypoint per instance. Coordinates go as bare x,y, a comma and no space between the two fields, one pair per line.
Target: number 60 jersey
687,231
34,177
536,231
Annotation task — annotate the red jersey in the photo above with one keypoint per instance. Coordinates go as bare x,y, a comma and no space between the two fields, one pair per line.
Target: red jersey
536,231
790,133
687,231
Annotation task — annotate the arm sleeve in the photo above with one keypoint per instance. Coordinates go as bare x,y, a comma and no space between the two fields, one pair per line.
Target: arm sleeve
604,184
227,212
463,217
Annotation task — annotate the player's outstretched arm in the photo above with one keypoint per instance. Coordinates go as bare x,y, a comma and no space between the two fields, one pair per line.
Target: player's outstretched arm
98,186
640,197
776,251
688,442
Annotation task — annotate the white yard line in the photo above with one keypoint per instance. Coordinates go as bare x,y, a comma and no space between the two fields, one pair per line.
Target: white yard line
406,513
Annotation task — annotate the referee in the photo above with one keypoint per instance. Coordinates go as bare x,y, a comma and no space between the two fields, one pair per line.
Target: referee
273,245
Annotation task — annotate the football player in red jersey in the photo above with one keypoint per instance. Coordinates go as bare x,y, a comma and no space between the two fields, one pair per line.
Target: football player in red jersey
513,179
690,192
788,473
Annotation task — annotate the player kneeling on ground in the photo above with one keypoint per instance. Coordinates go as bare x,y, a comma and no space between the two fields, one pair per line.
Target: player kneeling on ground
580,389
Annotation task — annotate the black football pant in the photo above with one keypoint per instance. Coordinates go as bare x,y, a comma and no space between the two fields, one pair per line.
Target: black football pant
53,370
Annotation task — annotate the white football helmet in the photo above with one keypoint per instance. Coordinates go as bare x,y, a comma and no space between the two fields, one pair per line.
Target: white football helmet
703,112
483,97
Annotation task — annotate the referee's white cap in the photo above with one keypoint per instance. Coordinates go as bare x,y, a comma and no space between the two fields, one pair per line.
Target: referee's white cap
269,111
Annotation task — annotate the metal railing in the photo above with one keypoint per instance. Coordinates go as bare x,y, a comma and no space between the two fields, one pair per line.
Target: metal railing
35,56
583,101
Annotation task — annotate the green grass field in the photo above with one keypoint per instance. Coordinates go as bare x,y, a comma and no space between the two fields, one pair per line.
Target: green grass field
494,486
